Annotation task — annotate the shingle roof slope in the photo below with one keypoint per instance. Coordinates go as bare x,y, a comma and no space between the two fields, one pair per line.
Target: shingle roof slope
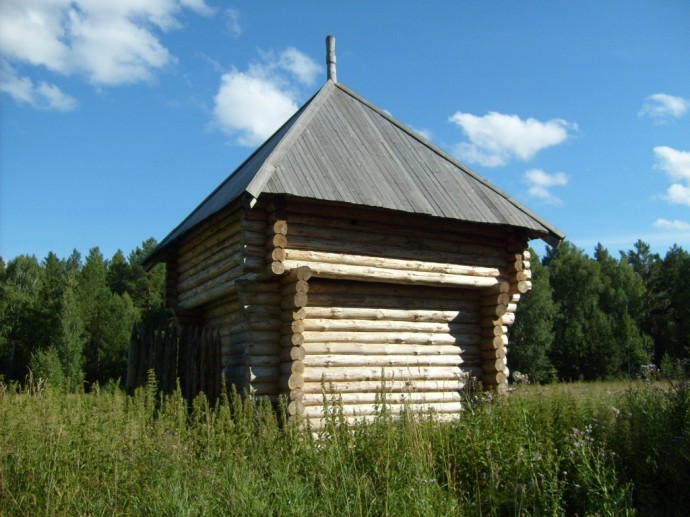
339,147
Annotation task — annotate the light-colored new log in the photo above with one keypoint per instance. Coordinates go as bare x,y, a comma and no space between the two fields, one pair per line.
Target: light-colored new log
328,374
366,349
366,273
376,386
306,257
365,313
337,360
393,337
318,399
338,325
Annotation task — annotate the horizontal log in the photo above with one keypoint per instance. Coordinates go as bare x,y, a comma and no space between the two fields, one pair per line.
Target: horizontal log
300,286
292,367
293,353
392,337
328,374
457,294
424,240
494,310
279,227
291,340
366,313
497,330
277,267
256,336
295,407
222,279
494,343
494,378
493,365
385,302
266,299
253,372
376,386
227,250
494,353
296,274
250,360
320,399
296,300
507,319
520,287
371,409
379,274
276,254
365,349
338,325
495,299
295,314
308,256
291,382
368,219
251,348
337,360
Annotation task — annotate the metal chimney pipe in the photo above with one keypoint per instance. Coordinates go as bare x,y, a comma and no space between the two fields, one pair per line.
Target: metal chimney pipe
330,58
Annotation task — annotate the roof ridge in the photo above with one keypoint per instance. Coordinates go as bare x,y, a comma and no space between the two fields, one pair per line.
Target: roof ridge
443,154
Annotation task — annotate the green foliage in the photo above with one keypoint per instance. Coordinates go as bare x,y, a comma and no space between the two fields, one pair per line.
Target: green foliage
69,321
598,449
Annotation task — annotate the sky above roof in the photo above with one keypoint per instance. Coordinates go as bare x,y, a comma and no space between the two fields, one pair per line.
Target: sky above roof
118,118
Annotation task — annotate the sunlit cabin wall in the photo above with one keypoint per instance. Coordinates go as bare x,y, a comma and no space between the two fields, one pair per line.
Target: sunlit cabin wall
419,303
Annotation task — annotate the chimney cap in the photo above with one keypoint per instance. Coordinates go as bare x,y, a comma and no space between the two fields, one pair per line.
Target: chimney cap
330,58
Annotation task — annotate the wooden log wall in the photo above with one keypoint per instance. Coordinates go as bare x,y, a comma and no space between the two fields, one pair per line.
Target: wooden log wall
415,344
227,247
356,244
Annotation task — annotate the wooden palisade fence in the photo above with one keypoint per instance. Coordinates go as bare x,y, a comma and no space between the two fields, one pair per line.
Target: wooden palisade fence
190,354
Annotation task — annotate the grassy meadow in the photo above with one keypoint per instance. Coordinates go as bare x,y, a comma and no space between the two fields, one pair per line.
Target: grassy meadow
569,449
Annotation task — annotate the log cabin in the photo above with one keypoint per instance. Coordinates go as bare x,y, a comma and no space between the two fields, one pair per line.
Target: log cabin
349,255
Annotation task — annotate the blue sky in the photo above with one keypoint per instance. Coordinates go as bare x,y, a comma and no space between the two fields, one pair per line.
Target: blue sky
118,118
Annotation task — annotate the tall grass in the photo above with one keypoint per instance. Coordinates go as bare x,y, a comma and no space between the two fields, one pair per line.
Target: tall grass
537,452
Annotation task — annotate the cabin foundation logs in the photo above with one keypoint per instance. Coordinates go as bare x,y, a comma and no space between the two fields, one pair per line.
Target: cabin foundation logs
312,302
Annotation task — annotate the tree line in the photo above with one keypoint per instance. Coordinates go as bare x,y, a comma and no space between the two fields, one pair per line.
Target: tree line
604,317
70,320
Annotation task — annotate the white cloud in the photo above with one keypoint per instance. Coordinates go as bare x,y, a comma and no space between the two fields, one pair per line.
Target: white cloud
540,182
108,42
250,106
232,22
495,138
42,96
302,66
662,107
676,164
681,226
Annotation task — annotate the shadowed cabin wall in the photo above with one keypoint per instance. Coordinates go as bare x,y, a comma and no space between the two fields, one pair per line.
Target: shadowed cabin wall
304,292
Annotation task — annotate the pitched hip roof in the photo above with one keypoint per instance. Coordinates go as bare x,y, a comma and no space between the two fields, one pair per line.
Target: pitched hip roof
339,147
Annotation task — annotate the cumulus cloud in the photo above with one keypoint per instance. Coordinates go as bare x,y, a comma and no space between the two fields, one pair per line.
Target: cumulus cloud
676,164
23,90
108,42
662,107
495,138
681,226
540,182
252,105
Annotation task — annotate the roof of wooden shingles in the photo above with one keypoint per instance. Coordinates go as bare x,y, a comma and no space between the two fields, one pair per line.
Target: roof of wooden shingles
339,147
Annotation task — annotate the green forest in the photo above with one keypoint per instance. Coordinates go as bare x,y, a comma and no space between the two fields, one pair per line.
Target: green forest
69,320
